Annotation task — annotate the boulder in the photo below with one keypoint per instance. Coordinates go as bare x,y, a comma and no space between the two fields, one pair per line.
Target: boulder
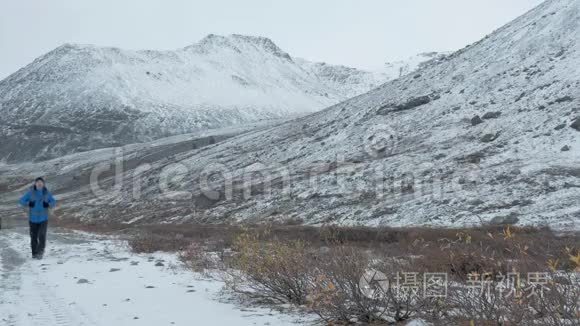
476,120
576,124
564,99
413,103
488,138
408,105
491,115
560,126
503,220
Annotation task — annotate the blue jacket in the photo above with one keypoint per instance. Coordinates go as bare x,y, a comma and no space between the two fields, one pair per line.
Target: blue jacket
38,213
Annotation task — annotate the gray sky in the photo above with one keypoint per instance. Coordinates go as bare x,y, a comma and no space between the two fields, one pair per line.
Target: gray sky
359,33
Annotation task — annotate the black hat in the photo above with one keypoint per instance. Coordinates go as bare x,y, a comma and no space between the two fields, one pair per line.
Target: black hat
39,179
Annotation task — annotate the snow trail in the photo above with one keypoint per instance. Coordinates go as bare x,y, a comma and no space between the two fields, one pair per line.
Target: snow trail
88,280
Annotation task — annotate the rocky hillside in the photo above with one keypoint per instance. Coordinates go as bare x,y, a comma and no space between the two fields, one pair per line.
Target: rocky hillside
489,134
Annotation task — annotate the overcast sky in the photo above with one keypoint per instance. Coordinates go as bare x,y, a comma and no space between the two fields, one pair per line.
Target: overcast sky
359,33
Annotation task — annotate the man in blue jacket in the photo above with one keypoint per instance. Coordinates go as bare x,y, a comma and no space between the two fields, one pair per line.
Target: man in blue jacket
39,201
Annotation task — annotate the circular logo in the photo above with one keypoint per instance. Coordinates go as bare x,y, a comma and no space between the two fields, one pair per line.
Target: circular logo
380,141
373,284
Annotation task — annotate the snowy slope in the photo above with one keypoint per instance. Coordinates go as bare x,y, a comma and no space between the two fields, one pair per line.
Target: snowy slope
89,280
487,134
346,80
401,68
82,97
523,81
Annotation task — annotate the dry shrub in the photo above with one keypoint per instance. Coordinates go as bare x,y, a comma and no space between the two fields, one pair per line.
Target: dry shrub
198,258
497,251
100,227
340,296
143,244
274,269
554,303
328,277
149,243
336,295
559,303
322,266
487,306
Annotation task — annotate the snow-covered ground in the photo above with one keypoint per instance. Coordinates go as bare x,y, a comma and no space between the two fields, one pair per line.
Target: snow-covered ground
91,280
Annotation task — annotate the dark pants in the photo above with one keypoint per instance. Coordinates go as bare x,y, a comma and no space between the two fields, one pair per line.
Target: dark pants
38,237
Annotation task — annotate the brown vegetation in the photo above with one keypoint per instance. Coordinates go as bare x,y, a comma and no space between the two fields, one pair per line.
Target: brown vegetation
320,269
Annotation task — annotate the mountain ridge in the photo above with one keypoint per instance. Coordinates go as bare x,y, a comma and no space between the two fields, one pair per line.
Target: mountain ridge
85,97
486,135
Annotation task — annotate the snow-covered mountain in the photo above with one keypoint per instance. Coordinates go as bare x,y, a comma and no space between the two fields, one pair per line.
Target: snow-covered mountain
489,133
346,80
82,97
